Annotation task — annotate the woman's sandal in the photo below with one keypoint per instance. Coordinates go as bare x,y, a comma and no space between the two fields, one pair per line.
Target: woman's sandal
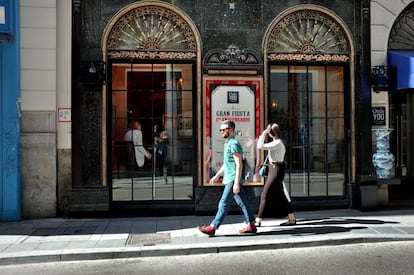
288,223
258,222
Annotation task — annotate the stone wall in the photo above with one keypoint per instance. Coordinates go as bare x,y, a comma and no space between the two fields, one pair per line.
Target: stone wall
38,104
38,164
383,15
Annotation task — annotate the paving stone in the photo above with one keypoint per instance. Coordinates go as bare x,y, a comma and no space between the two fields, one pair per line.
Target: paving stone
148,239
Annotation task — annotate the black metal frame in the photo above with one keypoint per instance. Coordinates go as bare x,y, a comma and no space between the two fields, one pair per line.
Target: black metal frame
383,78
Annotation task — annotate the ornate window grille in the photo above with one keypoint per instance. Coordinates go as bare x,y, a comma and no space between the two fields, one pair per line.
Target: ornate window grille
151,31
402,32
307,35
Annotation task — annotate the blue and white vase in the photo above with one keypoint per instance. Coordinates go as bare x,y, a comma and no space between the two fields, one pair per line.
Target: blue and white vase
383,160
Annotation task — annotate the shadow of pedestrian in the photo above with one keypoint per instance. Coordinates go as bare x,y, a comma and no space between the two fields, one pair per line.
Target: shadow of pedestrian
328,221
306,231
301,231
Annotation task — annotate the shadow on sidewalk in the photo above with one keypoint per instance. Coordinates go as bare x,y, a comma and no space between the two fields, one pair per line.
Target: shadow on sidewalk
306,227
301,231
324,221
306,231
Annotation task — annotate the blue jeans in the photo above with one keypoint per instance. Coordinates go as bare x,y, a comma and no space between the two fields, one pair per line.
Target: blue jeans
225,203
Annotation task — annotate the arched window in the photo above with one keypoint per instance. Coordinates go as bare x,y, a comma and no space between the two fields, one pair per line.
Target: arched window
307,55
402,32
153,54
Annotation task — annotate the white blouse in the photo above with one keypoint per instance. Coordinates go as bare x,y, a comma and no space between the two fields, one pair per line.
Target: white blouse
276,148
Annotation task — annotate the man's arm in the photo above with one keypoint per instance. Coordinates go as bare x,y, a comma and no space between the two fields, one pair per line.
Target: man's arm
219,173
239,172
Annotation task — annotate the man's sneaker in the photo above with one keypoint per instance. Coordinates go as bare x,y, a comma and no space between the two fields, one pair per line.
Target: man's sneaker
207,229
250,229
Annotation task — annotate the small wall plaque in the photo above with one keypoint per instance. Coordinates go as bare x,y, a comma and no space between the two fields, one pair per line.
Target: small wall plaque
64,114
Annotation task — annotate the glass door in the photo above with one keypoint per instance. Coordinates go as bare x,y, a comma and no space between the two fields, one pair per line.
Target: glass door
152,148
308,104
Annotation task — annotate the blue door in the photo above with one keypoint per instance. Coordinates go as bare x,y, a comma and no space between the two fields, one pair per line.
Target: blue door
10,187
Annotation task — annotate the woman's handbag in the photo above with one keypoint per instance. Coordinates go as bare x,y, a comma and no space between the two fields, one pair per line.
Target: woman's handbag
264,168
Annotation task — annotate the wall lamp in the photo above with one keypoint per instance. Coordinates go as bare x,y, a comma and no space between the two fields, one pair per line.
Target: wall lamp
93,72
383,78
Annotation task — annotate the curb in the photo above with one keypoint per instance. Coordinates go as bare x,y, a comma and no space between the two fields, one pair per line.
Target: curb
179,250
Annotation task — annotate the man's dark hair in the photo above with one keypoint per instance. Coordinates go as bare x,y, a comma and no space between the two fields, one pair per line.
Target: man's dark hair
229,124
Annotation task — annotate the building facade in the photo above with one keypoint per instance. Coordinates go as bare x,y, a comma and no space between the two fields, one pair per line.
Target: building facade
92,69
392,47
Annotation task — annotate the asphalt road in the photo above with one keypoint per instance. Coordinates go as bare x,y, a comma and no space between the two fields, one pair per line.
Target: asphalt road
372,258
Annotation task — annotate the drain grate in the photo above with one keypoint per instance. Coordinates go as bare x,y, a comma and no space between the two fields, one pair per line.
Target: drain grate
148,239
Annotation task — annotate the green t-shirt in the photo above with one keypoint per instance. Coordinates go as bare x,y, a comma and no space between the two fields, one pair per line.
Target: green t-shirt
231,146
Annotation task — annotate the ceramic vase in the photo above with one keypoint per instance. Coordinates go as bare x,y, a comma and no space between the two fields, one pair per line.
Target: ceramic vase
382,159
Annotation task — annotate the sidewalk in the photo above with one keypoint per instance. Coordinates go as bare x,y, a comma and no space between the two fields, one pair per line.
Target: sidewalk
59,239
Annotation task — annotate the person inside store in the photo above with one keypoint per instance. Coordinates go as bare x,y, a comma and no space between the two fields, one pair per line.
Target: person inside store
275,201
232,172
160,150
135,135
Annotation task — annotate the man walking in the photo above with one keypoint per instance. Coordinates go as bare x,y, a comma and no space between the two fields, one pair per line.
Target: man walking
232,169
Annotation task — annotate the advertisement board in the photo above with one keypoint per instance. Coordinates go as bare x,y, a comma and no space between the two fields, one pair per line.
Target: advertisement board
238,100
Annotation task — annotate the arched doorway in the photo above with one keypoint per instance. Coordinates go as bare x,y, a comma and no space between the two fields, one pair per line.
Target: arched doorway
308,60
152,51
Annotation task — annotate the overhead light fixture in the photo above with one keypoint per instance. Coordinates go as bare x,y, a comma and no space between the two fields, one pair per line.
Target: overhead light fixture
180,83
275,104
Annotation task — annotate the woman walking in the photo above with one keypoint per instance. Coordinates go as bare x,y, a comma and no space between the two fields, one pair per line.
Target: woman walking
274,200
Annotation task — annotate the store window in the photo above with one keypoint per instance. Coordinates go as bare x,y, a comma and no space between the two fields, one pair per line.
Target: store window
152,126
308,104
